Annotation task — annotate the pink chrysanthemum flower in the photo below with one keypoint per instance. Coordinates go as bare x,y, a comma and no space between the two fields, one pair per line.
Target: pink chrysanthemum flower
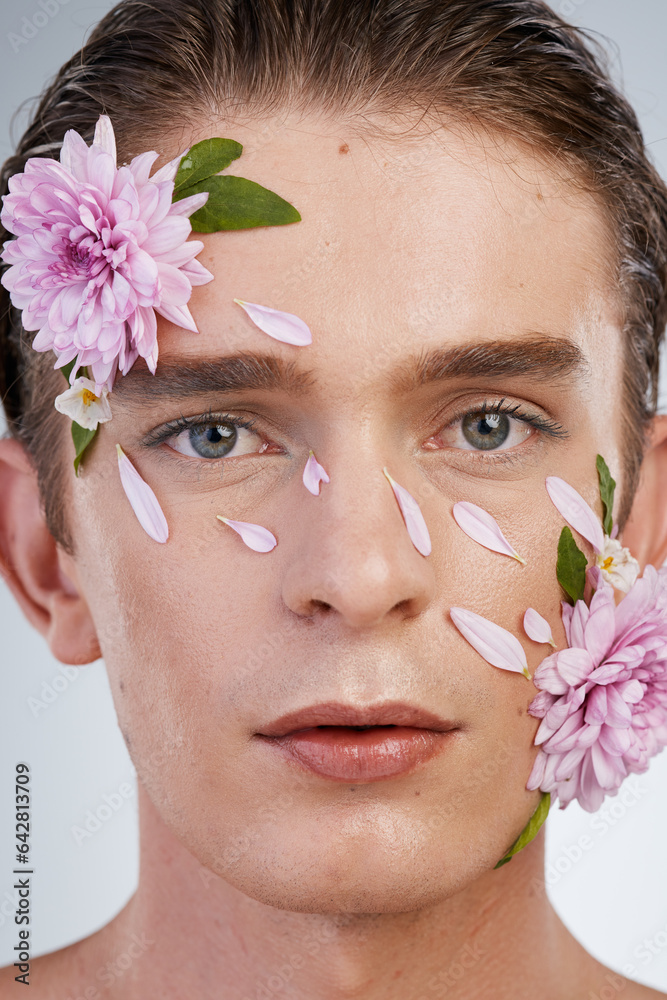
603,701
99,250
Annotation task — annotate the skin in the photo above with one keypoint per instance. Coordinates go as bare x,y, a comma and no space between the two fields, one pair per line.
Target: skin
251,865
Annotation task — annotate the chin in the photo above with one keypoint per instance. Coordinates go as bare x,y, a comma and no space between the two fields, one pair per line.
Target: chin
358,866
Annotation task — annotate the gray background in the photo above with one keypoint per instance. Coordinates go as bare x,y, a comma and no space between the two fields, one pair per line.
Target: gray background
607,873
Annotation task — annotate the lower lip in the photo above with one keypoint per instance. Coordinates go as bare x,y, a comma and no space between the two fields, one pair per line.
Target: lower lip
345,754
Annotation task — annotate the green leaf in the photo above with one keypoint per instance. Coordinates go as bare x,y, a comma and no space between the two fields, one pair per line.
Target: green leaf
530,831
205,159
237,203
607,487
81,437
571,566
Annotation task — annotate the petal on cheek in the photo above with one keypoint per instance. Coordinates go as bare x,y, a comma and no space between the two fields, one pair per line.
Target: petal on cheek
498,646
576,511
479,525
537,628
413,517
143,501
313,475
256,537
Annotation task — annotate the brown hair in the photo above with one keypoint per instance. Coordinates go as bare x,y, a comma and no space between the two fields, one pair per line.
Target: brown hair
512,66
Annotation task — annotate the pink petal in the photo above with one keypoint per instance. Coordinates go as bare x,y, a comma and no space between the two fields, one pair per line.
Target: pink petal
279,325
188,206
576,511
413,517
631,691
565,738
599,630
168,171
541,704
548,678
537,628
140,167
596,706
196,272
568,762
574,665
104,136
615,741
498,646
74,153
619,713
257,538
143,501
479,525
537,774
606,768
175,288
178,315
313,475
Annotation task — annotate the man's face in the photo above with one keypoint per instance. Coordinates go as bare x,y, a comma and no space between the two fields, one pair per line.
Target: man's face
443,280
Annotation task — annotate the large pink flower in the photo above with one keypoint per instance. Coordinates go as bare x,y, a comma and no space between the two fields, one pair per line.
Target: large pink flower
99,250
603,701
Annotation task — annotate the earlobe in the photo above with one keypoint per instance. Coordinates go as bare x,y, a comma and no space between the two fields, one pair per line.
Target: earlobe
34,565
645,533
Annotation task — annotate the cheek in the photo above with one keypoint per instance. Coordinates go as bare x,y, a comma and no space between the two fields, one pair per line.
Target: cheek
197,643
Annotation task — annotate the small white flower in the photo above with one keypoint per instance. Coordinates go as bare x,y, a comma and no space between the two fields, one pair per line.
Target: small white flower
619,568
81,403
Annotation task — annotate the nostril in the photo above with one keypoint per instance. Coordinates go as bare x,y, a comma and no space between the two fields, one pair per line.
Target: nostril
320,605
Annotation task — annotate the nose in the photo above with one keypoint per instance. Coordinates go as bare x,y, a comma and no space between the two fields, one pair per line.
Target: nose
354,556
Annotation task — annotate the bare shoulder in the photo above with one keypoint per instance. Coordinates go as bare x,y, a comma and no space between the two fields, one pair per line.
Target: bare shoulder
40,977
54,976
85,970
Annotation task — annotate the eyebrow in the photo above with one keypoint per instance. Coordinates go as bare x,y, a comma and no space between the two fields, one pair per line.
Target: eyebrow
542,358
185,377
545,358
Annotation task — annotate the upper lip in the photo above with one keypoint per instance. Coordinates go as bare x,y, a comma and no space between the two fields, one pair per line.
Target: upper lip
334,713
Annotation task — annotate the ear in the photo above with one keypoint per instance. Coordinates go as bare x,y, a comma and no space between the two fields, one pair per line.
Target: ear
645,532
40,574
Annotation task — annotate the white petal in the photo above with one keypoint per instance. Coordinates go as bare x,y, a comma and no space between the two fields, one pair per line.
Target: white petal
413,517
76,404
188,206
143,501
578,514
479,525
537,628
104,136
282,326
313,475
256,537
498,646
618,565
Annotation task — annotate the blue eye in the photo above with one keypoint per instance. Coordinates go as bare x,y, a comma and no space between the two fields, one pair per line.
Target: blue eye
487,431
215,439
484,430
209,441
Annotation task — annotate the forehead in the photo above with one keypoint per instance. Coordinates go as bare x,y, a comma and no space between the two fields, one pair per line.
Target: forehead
407,241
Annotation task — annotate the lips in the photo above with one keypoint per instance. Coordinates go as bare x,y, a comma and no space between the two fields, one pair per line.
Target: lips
347,743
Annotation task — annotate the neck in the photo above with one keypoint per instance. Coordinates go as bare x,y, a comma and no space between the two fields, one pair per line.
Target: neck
196,935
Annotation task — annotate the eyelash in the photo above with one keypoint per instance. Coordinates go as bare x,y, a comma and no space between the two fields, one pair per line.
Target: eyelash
543,424
187,423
